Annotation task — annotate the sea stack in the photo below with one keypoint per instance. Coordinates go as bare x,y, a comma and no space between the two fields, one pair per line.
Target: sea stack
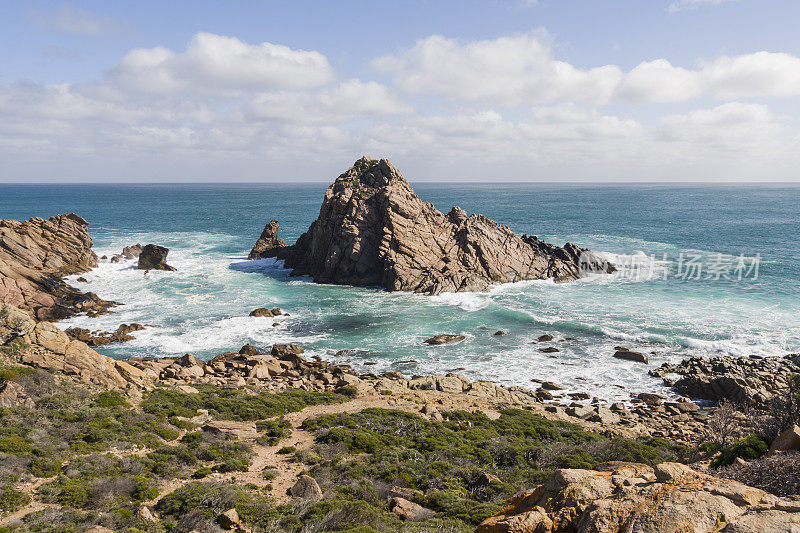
373,230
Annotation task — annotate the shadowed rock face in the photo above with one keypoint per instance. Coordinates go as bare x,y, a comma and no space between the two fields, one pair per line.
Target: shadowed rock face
35,254
373,230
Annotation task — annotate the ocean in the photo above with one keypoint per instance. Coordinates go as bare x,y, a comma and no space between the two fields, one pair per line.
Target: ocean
704,270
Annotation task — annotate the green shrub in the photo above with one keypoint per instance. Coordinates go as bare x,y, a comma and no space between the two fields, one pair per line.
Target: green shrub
286,450
110,399
273,431
14,373
47,466
750,447
12,499
232,404
15,347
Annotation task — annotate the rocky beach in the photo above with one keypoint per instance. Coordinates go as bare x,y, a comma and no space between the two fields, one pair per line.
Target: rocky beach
267,437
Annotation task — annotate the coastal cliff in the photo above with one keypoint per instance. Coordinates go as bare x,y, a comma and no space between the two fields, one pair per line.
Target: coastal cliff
373,230
34,255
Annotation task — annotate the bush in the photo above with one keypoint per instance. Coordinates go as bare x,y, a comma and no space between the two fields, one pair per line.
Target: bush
748,448
232,404
273,431
12,499
110,399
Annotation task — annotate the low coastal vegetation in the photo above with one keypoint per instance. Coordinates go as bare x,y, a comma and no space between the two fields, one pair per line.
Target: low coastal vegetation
96,457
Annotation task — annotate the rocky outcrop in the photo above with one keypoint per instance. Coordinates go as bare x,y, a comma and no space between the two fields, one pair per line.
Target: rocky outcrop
154,257
268,244
745,380
33,257
100,338
44,345
128,253
373,230
635,498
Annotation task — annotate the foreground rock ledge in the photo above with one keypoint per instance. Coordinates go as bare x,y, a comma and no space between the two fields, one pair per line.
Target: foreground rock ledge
373,230
635,498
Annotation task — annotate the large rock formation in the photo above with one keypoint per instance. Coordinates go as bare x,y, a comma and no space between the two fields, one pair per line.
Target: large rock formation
33,257
636,499
373,230
154,257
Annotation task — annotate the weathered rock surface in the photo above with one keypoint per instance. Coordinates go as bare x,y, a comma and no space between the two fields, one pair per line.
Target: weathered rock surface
262,312
128,252
306,488
33,257
444,338
408,510
633,498
100,338
373,230
268,244
746,380
154,257
631,356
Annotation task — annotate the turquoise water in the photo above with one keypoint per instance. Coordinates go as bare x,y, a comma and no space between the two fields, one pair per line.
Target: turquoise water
203,307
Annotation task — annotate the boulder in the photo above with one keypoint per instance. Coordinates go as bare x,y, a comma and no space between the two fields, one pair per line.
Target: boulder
154,257
282,351
14,323
544,338
249,349
444,339
623,497
408,510
268,243
788,440
129,252
13,395
263,312
306,488
373,230
549,349
631,356
229,520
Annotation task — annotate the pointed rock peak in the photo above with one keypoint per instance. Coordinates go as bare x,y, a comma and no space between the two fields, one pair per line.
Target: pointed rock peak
375,173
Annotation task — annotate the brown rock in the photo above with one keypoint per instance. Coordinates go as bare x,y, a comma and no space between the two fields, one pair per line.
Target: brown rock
249,349
624,497
33,257
788,440
408,510
373,229
229,520
268,243
631,356
306,488
13,395
154,257
444,339
545,338
283,350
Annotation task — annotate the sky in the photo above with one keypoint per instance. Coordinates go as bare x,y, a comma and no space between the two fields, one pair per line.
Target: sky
286,91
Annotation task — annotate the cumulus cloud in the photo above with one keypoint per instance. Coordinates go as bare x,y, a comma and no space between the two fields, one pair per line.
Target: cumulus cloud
69,19
504,108
213,63
522,70
519,70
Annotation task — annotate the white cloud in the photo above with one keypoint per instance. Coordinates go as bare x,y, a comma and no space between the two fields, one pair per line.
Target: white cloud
214,63
69,19
659,81
683,5
753,75
519,70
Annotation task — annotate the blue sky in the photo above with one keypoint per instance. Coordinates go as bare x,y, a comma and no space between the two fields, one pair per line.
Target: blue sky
568,90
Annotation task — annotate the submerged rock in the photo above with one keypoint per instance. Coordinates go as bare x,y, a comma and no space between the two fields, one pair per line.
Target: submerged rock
373,230
154,257
444,339
129,252
631,356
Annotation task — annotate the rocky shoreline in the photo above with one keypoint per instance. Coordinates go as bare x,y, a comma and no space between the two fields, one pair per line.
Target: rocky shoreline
731,413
